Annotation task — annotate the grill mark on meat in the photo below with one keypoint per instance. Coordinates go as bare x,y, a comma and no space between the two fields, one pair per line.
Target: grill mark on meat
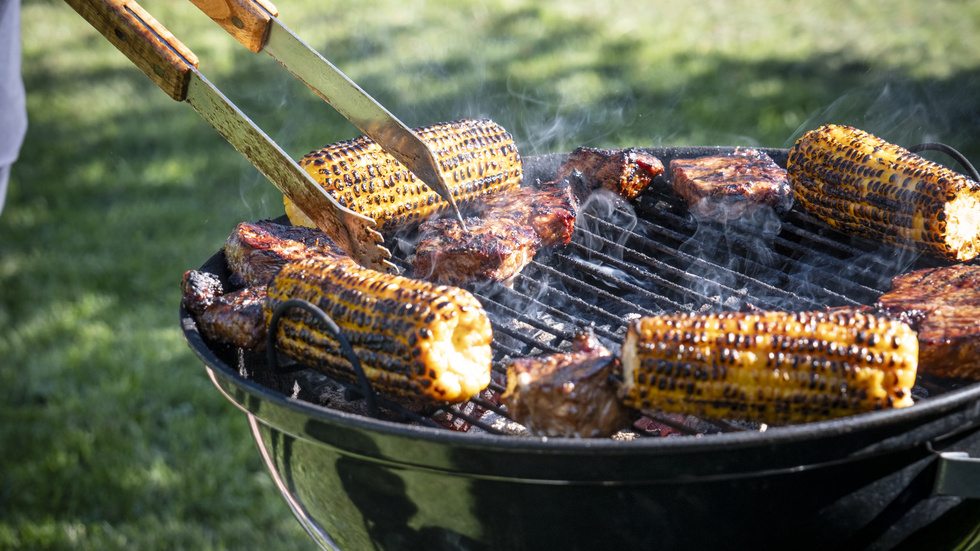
728,187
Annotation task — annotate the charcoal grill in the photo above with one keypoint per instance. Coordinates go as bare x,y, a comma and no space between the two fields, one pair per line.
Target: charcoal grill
882,480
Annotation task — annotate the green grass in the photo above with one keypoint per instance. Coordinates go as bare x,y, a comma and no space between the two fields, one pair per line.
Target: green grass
111,435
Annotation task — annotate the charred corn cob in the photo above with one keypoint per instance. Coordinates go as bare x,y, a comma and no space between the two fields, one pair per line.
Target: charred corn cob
478,157
414,340
860,184
771,367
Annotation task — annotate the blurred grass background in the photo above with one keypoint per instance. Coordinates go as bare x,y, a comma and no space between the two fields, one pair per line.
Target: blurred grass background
112,437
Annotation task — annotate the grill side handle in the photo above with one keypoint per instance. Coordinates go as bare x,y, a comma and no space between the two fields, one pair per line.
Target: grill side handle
957,474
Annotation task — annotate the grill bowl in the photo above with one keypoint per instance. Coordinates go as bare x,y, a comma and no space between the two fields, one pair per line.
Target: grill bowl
356,482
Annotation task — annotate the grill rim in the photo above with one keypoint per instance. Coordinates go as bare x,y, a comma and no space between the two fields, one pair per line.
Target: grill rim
541,167
933,408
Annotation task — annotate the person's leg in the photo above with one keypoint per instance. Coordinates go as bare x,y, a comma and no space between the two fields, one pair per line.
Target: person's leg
4,178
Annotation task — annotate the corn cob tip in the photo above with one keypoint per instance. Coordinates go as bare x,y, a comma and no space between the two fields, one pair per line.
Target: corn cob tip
962,216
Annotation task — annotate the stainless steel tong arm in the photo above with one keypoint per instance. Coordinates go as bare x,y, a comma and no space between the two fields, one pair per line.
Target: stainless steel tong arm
255,24
173,67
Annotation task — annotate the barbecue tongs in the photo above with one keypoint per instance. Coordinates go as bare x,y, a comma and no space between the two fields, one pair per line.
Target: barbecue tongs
173,67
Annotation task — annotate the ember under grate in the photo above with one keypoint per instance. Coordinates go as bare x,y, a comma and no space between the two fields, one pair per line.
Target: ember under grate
652,258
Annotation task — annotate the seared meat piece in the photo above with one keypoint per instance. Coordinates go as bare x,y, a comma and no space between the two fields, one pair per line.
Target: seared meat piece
943,306
626,172
569,394
549,209
493,249
199,290
257,250
503,237
236,318
728,187
497,247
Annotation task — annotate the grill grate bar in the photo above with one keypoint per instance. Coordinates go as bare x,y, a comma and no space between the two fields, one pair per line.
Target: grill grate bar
573,302
600,294
662,301
652,276
471,419
826,258
507,312
536,305
763,292
530,344
795,269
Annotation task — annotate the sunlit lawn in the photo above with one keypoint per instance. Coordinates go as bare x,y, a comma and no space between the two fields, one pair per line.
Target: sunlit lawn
111,436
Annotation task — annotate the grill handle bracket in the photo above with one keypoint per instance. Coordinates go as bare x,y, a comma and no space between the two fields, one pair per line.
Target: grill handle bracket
330,325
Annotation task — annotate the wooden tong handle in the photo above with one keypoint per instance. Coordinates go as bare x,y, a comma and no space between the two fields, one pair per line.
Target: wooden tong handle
146,42
246,20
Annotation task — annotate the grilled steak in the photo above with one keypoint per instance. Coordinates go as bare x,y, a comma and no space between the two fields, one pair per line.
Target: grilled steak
943,306
236,318
503,236
626,172
567,394
257,250
199,290
549,209
728,187
497,246
493,249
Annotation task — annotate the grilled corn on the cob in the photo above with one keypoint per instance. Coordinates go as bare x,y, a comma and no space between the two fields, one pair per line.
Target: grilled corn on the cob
478,157
858,183
771,367
414,340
